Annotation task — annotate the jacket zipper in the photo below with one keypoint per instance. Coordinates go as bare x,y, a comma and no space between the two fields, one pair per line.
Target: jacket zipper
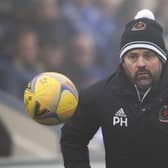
139,96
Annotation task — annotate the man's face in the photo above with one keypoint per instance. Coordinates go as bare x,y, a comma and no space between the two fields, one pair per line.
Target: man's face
143,67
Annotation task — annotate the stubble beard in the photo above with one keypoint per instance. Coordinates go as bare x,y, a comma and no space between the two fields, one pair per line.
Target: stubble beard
144,82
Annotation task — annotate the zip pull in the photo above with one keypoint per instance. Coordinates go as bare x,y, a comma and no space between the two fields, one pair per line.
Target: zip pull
139,96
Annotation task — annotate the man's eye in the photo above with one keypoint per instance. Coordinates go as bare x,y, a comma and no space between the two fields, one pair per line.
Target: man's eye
149,55
132,57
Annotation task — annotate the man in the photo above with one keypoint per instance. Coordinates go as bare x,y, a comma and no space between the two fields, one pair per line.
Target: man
131,106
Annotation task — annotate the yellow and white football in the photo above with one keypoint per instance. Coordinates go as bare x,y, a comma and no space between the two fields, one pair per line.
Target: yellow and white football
50,98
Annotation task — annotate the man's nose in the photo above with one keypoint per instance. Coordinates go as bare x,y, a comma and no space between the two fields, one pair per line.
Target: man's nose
141,62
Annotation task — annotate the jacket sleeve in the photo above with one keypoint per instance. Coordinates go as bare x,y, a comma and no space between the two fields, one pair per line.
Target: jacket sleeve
76,134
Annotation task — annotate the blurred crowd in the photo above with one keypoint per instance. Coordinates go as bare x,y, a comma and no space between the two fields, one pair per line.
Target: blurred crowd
79,38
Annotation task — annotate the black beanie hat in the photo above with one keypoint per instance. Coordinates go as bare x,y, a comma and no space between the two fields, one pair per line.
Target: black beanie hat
143,32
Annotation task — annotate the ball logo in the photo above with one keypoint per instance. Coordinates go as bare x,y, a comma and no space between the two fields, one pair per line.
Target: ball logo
120,118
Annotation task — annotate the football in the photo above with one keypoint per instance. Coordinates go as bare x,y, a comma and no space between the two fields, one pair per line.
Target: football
50,98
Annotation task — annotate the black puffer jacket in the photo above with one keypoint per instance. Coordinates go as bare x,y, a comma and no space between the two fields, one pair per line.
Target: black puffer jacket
133,130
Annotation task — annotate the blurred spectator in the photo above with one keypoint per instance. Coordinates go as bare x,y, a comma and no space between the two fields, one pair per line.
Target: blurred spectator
81,62
47,18
161,11
26,48
6,23
52,54
22,11
95,19
126,10
18,68
5,141
119,16
82,15
106,23
107,35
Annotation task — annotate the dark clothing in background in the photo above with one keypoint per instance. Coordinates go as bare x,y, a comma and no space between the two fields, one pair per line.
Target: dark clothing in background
14,80
133,130
5,141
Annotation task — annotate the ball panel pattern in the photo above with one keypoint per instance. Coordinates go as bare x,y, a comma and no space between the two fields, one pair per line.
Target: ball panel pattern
50,98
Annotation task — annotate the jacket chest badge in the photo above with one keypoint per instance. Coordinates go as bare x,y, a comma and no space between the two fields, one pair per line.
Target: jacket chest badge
120,118
163,114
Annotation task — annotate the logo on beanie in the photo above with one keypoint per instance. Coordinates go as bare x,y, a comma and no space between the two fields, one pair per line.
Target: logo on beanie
139,26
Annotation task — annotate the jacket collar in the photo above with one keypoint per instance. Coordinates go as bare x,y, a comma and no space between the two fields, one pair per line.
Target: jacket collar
120,83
